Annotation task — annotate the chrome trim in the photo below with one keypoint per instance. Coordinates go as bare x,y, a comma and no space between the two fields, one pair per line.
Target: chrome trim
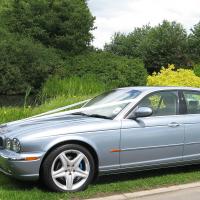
191,143
152,147
5,172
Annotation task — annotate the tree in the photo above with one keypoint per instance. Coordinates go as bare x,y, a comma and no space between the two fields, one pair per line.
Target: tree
128,45
63,24
24,63
165,44
157,46
194,43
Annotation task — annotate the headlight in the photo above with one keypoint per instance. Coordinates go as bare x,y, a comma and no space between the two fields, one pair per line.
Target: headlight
8,144
15,145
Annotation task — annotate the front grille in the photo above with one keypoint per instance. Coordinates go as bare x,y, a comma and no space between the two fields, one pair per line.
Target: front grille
1,142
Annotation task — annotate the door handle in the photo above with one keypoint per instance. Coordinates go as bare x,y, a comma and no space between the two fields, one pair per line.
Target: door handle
173,124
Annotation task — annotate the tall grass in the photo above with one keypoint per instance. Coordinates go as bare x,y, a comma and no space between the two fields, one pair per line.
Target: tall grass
28,91
14,113
71,87
55,93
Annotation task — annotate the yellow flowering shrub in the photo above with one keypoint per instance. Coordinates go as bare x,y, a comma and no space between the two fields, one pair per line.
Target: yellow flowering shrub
171,77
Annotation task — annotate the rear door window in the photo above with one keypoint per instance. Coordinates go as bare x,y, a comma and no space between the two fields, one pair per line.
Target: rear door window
192,99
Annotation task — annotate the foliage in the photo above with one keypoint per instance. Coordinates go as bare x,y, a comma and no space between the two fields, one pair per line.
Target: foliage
4,4
24,63
128,45
63,24
170,77
56,93
197,69
156,46
194,43
71,87
34,35
166,43
116,71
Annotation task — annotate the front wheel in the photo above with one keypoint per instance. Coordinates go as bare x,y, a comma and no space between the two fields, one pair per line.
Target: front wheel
68,168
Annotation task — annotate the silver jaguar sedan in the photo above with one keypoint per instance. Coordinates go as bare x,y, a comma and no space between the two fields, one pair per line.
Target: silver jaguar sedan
134,128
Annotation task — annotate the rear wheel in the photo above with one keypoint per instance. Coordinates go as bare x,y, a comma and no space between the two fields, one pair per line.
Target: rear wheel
68,168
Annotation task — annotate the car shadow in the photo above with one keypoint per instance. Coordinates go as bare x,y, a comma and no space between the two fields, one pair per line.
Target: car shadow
8,183
146,174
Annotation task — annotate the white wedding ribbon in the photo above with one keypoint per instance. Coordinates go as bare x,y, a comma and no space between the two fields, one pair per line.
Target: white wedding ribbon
89,108
62,108
57,112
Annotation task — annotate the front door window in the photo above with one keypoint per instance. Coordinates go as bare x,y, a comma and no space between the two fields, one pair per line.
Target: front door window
162,103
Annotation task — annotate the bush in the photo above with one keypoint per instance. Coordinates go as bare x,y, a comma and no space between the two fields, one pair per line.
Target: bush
197,69
24,63
170,77
110,69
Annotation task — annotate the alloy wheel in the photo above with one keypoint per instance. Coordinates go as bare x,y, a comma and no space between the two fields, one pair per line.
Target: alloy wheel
70,170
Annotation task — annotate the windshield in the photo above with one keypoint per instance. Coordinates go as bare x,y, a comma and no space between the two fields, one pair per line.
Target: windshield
109,97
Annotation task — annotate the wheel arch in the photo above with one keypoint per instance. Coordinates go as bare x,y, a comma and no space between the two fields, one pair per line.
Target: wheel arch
89,147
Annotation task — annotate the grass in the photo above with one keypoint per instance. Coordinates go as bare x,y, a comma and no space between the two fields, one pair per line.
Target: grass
73,86
14,113
56,93
14,190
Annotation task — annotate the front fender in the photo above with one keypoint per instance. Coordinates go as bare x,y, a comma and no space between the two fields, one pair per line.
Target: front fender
102,143
67,139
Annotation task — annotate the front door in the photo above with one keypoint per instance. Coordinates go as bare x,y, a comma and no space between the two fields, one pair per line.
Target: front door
157,139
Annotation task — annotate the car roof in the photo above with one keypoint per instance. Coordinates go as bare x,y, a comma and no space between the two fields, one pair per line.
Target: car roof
158,88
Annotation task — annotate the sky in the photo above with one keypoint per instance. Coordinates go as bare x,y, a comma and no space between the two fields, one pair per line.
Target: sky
124,15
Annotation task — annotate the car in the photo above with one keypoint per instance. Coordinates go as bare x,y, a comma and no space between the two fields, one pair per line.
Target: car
122,130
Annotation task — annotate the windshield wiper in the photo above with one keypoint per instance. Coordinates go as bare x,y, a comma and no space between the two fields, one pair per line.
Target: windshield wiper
99,116
80,113
93,115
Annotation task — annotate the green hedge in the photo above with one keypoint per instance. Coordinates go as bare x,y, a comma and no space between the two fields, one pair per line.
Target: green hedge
112,70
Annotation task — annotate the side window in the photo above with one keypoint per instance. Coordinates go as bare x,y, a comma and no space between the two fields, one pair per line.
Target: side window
162,103
192,101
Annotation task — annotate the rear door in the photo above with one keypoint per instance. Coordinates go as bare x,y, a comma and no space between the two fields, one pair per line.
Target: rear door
191,119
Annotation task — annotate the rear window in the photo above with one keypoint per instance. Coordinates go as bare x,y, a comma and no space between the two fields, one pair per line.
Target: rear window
192,99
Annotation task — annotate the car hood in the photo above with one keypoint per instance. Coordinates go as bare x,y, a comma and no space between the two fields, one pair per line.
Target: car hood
56,125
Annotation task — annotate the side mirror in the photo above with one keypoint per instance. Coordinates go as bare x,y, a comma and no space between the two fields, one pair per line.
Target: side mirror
142,112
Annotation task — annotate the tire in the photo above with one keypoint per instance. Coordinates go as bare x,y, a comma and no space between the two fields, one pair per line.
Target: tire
68,168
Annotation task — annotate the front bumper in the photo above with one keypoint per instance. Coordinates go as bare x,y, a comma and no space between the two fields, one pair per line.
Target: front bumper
16,165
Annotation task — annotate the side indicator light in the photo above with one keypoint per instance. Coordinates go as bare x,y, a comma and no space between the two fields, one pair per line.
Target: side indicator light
115,150
31,158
